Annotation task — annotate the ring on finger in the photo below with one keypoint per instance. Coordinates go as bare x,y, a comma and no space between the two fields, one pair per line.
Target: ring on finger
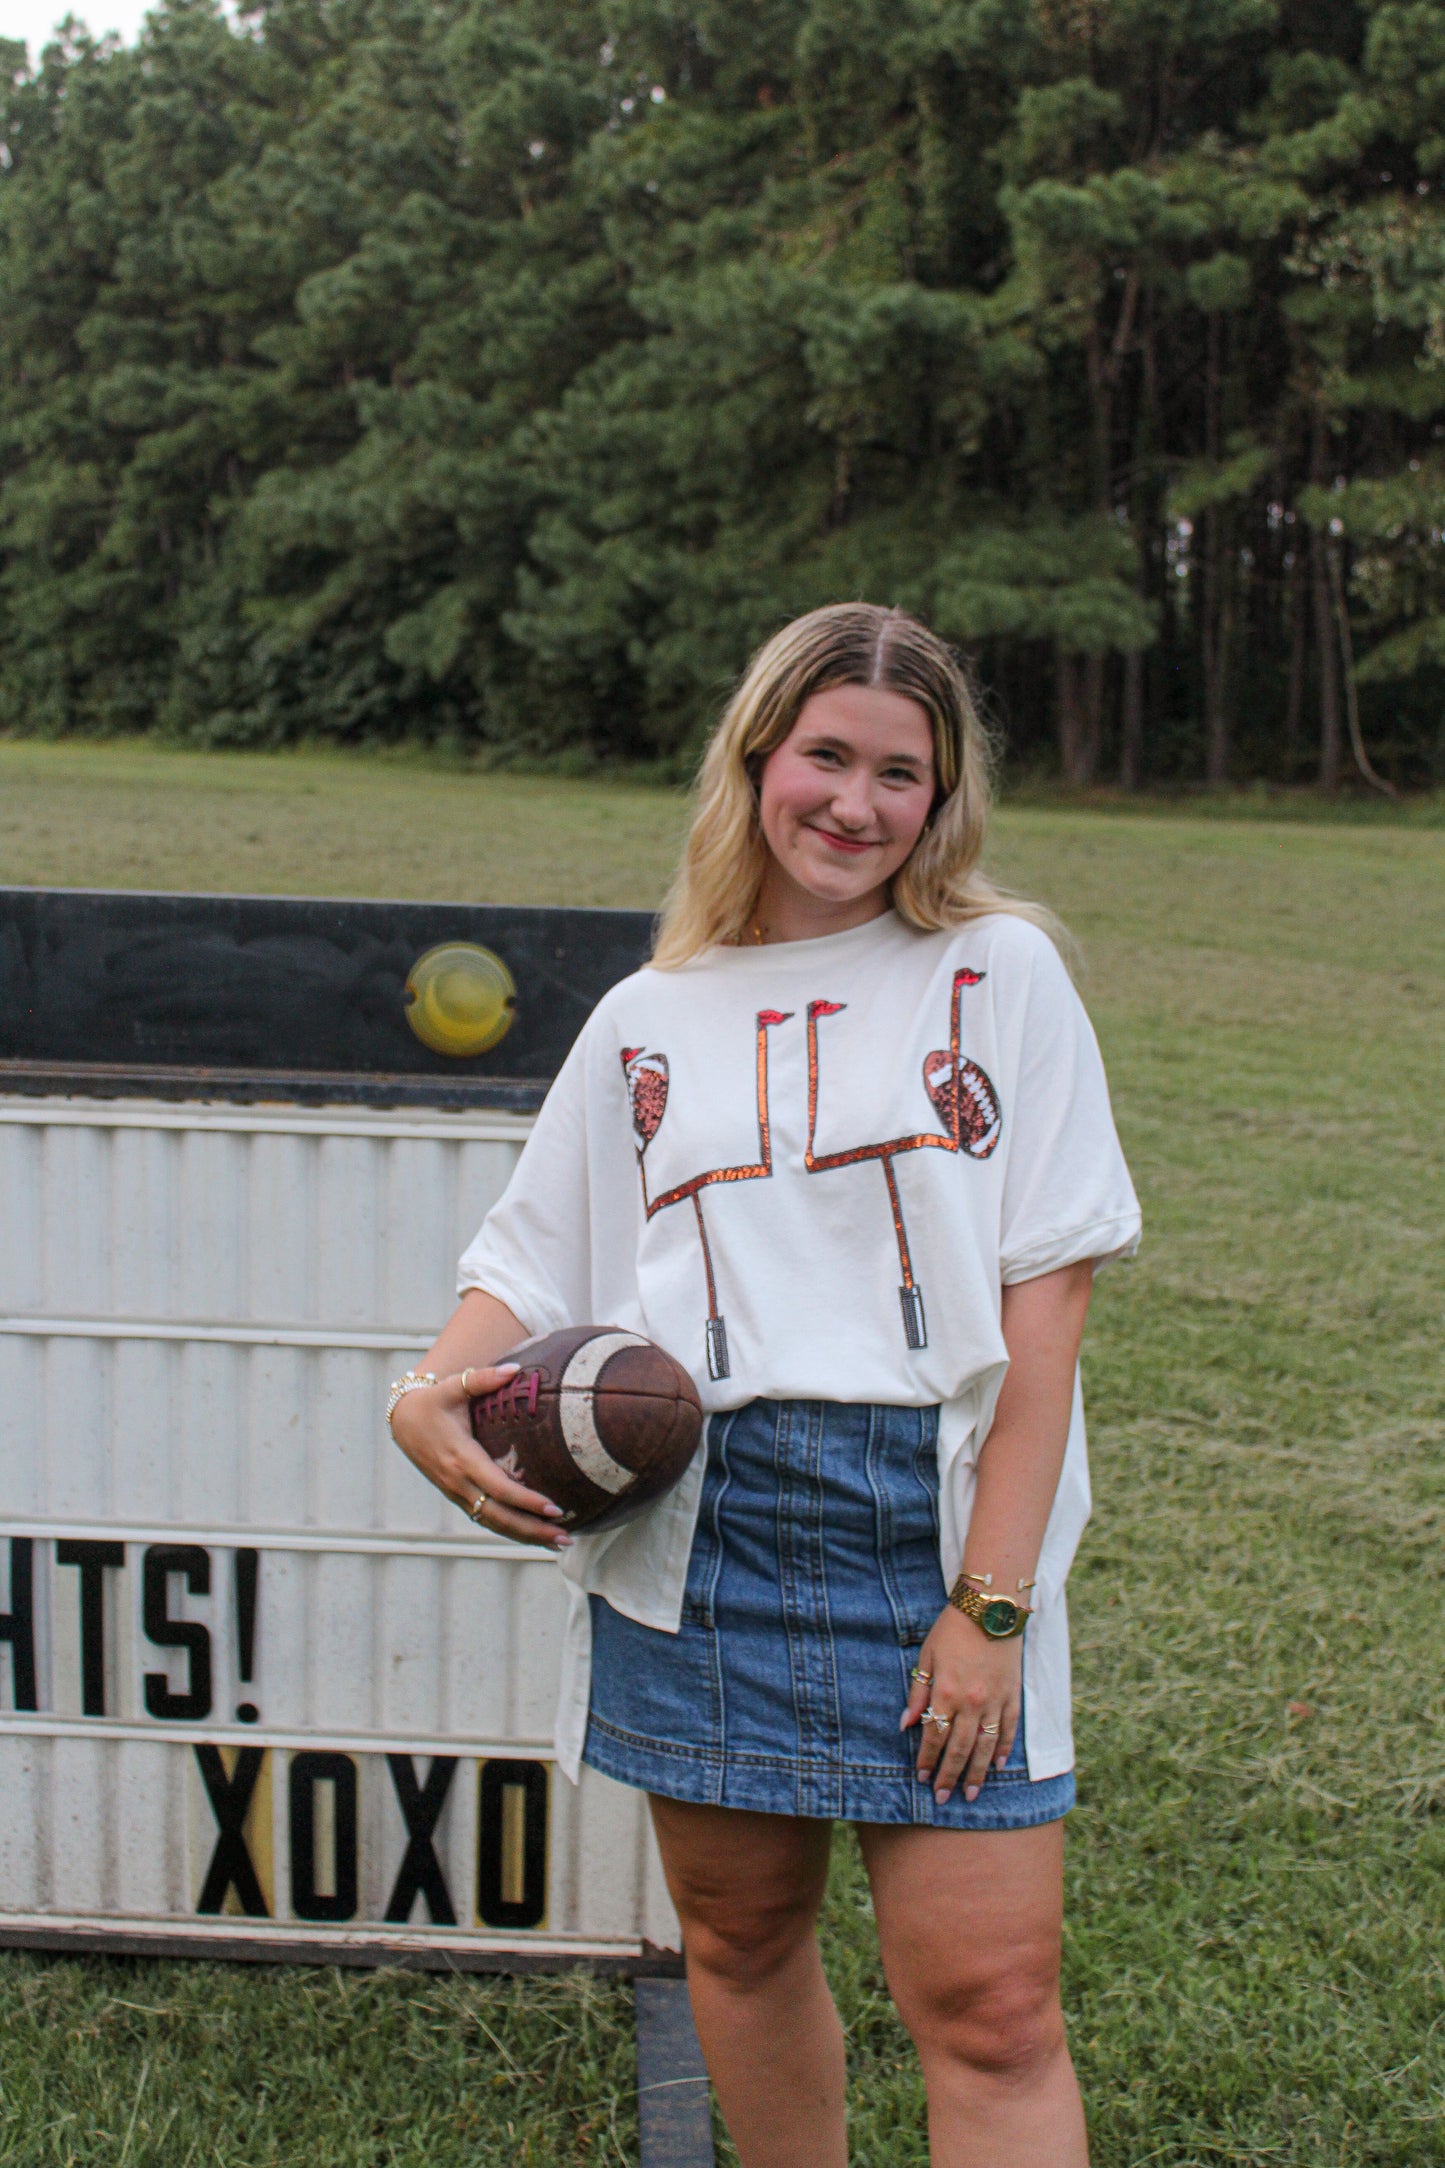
924,1678
465,1375
990,1731
474,1510
936,1716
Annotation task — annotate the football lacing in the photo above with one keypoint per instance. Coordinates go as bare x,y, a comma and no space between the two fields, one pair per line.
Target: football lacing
508,1399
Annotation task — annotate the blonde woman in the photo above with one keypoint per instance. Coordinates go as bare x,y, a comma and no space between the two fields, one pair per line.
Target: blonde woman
845,1149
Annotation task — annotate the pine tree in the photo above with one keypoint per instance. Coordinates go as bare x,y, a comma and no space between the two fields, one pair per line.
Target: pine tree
500,371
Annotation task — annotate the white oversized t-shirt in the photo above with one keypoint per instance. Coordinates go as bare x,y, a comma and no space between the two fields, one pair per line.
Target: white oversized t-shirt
807,1169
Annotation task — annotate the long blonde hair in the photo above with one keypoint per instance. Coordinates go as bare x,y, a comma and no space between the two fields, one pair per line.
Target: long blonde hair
940,884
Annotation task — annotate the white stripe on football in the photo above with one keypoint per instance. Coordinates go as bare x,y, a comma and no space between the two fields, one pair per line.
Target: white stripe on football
575,1405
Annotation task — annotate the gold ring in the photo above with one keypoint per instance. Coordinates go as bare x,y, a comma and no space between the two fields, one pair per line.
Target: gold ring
990,1731
924,1678
474,1510
465,1375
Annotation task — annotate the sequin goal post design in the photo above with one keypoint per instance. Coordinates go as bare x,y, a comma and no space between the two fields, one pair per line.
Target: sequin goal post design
647,1077
966,1104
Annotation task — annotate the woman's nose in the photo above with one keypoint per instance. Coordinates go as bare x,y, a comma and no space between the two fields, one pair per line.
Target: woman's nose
852,804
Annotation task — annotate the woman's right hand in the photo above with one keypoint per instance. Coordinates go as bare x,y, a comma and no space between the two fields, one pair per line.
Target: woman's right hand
431,1426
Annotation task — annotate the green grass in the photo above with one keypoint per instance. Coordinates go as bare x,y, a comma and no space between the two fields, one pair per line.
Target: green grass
189,2066
327,824
1256,1935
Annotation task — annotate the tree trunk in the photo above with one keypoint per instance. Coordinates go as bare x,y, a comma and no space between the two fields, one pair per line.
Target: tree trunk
1331,735
1131,735
1138,670
1217,604
1094,666
1075,754
1216,639
1298,653
1326,651
1104,367
1219,731
1347,652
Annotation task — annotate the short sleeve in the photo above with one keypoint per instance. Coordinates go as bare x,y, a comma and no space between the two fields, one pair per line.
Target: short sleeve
533,1249
1067,1193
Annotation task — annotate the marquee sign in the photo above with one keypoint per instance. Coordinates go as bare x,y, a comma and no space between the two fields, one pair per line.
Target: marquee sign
262,1691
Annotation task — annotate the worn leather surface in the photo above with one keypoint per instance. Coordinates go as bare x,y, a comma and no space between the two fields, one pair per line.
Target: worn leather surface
645,1407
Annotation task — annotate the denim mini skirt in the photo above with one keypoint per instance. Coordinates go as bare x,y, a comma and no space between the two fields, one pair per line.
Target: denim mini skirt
813,1582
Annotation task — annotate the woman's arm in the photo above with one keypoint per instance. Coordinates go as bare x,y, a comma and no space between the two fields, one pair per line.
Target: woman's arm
430,1424
1021,1459
975,1680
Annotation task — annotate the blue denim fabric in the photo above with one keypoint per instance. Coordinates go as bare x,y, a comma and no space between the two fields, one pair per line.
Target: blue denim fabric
813,1581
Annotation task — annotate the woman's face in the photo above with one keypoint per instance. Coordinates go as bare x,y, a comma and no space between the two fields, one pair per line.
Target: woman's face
843,799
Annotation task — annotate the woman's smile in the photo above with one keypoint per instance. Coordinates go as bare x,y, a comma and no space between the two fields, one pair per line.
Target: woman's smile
842,843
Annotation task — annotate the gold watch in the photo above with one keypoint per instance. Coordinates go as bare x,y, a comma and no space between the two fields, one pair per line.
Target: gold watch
999,1616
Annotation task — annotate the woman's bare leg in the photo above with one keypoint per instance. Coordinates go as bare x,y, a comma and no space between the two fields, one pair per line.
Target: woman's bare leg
970,1924
747,1889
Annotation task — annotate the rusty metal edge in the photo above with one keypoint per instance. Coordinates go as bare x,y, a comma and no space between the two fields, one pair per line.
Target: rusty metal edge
250,1087
651,1963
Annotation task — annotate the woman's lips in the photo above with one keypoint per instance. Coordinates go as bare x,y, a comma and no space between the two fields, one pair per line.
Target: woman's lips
842,843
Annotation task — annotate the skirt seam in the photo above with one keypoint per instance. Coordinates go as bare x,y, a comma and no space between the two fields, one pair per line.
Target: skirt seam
898,1808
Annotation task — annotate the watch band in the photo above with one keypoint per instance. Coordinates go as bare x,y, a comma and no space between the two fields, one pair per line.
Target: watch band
999,1616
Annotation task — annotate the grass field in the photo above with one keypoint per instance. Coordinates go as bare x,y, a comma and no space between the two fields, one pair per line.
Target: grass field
1256,1940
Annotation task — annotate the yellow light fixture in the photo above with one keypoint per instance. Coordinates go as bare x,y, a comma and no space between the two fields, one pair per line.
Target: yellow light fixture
460,999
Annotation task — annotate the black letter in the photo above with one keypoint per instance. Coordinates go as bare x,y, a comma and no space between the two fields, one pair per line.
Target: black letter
512,1844
247,1567
161,1561
420,1870
92,1559
230,1862
17,1625
307,1901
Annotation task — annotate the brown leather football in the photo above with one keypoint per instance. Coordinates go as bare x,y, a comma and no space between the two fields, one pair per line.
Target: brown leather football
599,1420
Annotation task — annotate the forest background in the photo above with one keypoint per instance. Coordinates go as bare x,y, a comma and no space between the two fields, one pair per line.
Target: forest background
493,374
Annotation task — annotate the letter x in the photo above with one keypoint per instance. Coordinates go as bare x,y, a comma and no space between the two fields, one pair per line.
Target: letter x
230,1798
421,1806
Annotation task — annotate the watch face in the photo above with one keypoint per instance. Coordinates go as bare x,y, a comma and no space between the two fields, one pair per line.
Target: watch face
1000,1617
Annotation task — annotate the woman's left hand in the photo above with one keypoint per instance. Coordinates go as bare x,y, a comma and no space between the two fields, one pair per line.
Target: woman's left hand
978,1684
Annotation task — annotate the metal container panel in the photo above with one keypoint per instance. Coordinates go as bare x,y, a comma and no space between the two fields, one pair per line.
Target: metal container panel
200,1306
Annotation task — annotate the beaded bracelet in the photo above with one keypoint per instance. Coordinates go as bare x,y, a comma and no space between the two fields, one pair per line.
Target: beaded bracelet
411,1383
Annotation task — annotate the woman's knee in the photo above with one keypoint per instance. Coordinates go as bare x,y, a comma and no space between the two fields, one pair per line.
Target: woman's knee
1001,2020
745,1943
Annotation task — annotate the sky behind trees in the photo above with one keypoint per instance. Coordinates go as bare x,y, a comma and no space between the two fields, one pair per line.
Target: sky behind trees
35,21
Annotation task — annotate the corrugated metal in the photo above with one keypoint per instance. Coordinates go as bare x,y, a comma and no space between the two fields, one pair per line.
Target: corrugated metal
200,1307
